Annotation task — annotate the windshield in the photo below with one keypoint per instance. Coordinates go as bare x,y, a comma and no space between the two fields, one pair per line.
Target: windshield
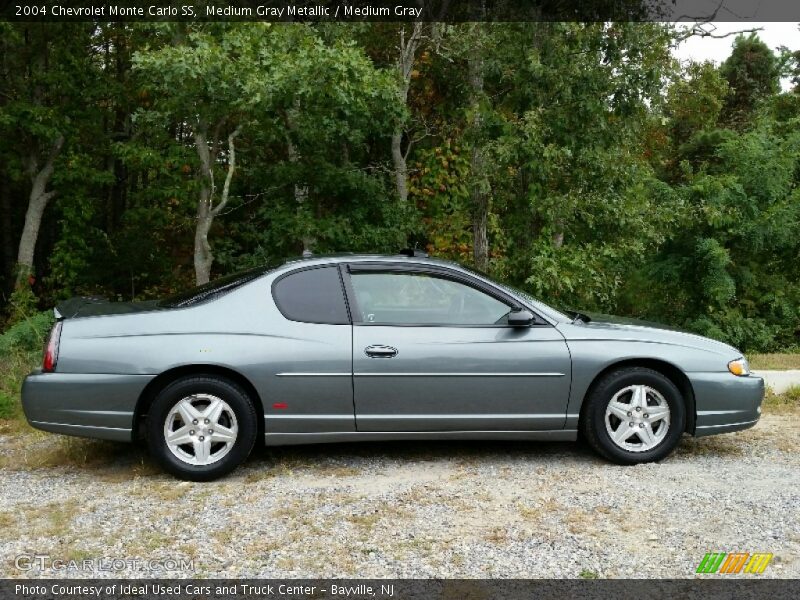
213,289
537,304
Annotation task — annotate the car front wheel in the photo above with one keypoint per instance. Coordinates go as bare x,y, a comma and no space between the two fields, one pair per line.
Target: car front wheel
200,428
634,415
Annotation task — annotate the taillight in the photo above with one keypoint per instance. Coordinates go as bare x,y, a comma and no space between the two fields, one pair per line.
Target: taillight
51,349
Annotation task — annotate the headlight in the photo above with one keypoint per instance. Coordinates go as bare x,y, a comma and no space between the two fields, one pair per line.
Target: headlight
739,367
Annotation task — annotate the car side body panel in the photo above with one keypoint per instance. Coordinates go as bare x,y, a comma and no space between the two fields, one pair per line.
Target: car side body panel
242,331
84,405
461,378
722,400
303,373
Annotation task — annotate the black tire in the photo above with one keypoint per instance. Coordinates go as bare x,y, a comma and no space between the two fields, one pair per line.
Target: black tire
236,398
593,415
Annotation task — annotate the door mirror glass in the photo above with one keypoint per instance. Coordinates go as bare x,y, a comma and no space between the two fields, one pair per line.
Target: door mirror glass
520,318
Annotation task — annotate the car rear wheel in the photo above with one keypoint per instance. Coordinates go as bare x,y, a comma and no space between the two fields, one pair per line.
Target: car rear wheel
634,415
200,428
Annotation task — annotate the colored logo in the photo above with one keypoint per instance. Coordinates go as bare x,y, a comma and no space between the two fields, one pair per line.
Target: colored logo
734,562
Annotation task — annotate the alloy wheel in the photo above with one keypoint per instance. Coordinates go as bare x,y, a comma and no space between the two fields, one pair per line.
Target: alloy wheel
637,418
200,429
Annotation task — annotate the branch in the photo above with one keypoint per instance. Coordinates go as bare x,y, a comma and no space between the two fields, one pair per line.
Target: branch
205,159
417,138
697,29
700,32
226,187
48,195
49,165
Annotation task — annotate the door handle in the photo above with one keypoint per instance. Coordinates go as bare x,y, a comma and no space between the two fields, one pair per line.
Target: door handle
379,351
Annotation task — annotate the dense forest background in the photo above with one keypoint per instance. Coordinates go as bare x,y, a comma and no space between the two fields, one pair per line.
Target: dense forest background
580,162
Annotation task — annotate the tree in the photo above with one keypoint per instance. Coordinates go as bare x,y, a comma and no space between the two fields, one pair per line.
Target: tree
407,54
47,95
479,182
571,186
753,74
210,78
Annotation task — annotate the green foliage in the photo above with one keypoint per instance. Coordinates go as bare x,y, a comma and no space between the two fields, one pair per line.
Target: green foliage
739,243
439,189
27,335
753,74
21,304
20,351
618,180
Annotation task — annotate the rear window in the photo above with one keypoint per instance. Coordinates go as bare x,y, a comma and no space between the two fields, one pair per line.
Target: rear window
312,296
213,289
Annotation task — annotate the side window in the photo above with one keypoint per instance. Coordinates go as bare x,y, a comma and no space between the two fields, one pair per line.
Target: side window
312,296
419,298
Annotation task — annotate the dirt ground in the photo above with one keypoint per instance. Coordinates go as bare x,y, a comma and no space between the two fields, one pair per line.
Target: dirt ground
432,509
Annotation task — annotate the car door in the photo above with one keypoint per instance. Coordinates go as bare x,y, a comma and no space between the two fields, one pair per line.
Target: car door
433,351
310,389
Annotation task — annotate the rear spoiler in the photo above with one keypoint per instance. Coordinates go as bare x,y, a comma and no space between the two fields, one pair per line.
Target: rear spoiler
70,308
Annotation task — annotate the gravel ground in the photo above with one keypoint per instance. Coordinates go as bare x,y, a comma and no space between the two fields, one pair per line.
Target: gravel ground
407,509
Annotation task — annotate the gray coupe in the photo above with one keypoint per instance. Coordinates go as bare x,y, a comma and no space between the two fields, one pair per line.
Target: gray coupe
347,348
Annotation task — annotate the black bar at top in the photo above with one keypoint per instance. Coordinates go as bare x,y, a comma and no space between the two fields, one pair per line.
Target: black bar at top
404,10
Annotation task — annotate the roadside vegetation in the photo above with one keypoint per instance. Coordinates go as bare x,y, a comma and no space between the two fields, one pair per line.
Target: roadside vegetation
787,402
20,352
775,361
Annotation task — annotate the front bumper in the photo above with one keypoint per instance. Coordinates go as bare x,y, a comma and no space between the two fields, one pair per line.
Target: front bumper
85,405
725,402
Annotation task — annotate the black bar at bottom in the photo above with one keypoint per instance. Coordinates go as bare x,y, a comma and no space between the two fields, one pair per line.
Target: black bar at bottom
401,589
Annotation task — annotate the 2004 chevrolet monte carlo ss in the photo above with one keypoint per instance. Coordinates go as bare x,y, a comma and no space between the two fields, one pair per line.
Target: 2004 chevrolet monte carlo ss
346,348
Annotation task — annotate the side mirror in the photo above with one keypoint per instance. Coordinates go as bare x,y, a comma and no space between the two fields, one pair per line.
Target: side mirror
520,318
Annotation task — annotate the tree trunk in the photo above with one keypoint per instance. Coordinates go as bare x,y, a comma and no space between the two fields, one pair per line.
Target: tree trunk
400,167
405,65
37,202
479,188
300,189
206,211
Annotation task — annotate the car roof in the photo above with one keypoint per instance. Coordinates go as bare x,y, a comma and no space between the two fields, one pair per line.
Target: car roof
541,308
395,258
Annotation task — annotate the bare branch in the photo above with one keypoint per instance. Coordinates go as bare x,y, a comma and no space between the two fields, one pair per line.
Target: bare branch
697,30
226,187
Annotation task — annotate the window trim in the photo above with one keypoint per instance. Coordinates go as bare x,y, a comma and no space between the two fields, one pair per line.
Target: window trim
342,289
349,269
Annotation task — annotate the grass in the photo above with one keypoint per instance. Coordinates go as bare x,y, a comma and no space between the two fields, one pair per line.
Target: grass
774,361
32,449
15,366
788,401
51,519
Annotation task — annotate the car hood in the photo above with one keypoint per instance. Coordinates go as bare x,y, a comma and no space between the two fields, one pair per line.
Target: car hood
610,327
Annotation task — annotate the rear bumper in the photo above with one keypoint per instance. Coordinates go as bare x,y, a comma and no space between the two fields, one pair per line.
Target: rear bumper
86,405
725,402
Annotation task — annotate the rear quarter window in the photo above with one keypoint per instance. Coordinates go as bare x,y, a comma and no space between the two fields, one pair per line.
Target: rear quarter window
312,296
